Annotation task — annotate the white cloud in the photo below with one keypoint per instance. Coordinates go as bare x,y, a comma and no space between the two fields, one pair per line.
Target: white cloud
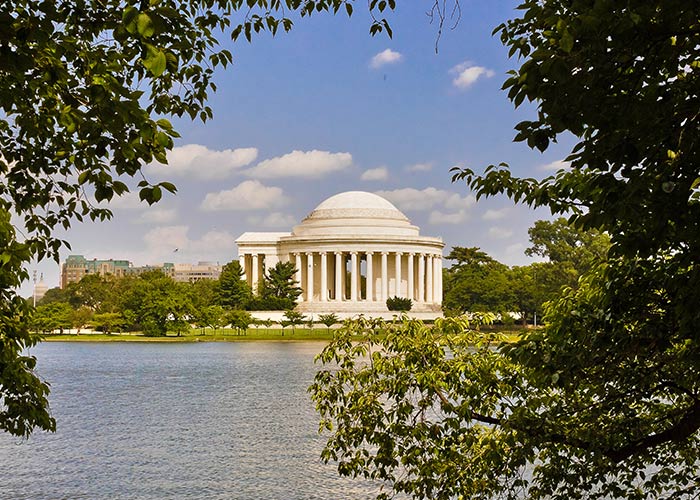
375,174
495,214
274,220
385,57
500,232
468,74
301,164
248,195
438,217
173,244
127,201
157,216
555,166
420,167
427,199
200,162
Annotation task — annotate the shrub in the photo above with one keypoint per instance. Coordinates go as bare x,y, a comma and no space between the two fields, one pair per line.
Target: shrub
399,304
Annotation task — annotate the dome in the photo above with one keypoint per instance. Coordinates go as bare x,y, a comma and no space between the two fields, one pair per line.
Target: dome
358,213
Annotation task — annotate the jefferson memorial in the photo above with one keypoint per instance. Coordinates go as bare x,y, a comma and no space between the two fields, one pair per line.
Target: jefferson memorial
352,252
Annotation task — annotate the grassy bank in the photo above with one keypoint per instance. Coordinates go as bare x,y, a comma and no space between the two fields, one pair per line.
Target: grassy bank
226,335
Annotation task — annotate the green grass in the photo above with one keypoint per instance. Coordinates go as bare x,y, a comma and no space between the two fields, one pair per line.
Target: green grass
229,335
196,335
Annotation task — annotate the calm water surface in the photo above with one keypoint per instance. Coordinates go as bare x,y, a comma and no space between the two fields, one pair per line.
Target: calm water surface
190,421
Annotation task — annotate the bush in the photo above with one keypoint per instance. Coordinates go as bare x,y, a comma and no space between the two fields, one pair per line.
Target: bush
259,303
399,304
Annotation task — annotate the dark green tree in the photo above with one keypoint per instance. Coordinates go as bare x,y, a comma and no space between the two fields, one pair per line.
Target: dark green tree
279,289
604,401
233,291
475,282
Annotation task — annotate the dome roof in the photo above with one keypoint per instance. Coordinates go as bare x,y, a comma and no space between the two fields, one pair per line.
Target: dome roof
353,200
358,213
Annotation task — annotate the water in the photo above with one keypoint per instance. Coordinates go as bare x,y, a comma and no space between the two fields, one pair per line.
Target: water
185,421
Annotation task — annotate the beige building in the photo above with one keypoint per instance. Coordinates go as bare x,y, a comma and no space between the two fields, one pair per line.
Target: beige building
352,252
75,267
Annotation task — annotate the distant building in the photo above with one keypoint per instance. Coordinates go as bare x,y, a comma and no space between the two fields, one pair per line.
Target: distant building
75,267
188,273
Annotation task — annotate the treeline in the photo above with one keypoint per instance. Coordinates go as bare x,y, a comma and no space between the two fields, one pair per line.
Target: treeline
155,304
477,282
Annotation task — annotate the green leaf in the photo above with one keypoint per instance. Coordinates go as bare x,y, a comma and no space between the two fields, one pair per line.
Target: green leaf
144,25
155,61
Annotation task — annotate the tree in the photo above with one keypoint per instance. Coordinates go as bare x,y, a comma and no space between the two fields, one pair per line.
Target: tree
476,282
239,320
54,316
108,322
233,291
329,320
80,318
562,243
280,281
213,316
293,318
604,401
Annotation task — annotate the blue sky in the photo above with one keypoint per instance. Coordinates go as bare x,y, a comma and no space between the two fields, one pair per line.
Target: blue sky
324,109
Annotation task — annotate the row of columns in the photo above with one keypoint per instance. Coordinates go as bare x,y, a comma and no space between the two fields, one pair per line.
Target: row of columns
428,287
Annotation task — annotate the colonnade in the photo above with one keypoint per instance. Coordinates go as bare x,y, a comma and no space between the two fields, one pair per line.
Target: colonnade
323,276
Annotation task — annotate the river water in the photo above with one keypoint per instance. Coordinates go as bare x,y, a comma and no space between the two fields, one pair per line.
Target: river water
180,421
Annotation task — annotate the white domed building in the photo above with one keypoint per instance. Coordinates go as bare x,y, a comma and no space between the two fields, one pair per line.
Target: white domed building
352,252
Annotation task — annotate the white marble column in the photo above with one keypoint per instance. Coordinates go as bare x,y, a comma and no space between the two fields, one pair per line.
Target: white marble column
429,267
353,276
310,276
438,286
370,278
297,264
385,277
421,278
324,277
409,278
338,276
255,274
398,256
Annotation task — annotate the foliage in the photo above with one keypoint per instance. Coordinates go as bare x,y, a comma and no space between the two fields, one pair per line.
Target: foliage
563,243
239,320
233,291
54,316
212,316
293,319
23,396
328,320
399,304
108,322
476,282
280,282
604,402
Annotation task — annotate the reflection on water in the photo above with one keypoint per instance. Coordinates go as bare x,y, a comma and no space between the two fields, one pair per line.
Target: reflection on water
205,421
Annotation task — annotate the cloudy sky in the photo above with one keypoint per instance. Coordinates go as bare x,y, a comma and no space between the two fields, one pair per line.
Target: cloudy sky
324,109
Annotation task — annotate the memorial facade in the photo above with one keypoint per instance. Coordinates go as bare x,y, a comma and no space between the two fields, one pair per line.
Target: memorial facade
351,253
